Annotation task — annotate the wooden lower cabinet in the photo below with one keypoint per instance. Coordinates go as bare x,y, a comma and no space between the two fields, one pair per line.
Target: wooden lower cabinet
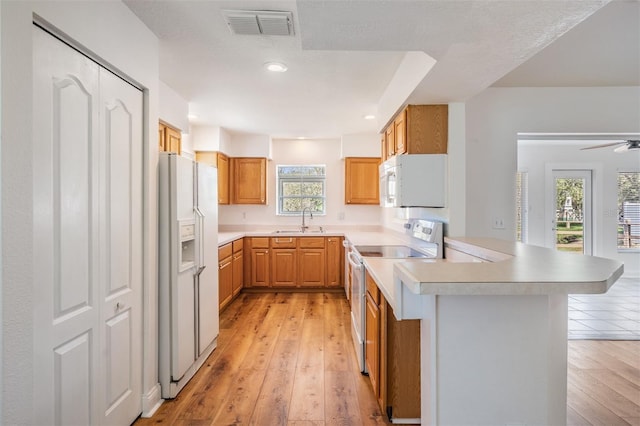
293,262
225,275
335,262
237,263
392,355
372,343
283,267
311,267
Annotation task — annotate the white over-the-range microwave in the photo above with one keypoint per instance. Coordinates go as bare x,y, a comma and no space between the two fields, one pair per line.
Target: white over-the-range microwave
414,180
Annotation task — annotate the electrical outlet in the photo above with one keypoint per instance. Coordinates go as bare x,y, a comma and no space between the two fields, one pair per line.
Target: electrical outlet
498,223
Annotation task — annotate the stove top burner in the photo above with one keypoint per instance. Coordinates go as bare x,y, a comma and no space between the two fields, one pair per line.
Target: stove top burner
392,252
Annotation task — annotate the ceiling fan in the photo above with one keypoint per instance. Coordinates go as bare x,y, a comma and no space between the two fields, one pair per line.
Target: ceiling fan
625,145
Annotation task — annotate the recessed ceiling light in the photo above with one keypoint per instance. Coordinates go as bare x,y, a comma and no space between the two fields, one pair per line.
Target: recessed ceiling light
369,117
275,66
301,138
192,117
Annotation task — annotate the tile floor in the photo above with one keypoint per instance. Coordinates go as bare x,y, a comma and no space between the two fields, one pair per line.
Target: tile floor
614,315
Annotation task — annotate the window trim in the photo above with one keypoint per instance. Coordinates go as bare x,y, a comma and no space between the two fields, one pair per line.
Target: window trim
618,247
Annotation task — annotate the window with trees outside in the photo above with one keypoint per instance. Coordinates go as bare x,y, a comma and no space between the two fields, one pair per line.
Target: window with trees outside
628,211
301,187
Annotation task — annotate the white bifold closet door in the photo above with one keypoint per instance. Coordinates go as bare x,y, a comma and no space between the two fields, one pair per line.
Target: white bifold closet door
87,189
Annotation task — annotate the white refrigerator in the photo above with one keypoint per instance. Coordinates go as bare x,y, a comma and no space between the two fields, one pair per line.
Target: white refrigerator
188,316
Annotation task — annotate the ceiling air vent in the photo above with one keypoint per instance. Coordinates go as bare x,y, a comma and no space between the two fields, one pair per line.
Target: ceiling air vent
259,22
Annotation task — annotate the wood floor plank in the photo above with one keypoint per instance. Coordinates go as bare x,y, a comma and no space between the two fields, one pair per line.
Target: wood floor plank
606,396
292,326
594,412
242,397
311,353
267,331
307,399
336,341
272,407
617,383
341,400
575,419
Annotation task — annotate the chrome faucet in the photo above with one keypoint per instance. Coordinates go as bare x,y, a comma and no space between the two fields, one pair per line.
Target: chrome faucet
305,227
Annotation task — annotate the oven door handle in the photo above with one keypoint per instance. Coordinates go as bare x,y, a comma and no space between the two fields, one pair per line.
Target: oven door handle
354,261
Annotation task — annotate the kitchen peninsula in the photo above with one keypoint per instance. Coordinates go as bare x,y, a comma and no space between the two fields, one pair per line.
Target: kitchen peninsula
493,335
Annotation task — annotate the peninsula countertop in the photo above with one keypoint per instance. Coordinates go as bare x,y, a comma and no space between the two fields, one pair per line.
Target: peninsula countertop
514,269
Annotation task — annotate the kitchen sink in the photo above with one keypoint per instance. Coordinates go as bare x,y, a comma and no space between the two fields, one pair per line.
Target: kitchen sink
298,231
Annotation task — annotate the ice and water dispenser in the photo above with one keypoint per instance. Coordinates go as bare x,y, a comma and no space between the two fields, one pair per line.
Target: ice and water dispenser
187,252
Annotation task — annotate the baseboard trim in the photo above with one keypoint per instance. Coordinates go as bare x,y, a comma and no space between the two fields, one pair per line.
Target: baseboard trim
151,401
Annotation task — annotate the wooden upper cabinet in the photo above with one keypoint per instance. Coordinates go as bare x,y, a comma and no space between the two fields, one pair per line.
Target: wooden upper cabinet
223,178
361,180
383,146
169,139
400,131
249,180
391,140
419,129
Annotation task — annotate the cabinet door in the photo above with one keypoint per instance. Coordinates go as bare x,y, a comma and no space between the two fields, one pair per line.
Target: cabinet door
335,261
383,146
362,180
283,266
161,141
249,180
400,132
427,129
391,140
311,267
223,179
372,343
260,267
225,282
172,140
238,275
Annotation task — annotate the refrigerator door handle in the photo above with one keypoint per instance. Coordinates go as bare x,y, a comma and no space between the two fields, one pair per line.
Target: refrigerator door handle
199,271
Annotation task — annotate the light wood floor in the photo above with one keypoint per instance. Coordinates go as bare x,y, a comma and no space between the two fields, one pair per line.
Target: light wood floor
287,359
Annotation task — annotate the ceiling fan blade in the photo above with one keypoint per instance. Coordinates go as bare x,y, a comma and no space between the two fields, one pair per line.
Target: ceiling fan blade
604,145
628,146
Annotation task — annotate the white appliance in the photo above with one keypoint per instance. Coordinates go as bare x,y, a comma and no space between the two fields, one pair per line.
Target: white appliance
187,269
414,180
426,241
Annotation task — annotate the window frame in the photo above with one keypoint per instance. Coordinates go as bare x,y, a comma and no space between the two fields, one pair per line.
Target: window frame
619,210
280,180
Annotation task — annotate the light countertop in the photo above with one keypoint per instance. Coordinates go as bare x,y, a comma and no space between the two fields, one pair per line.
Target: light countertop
524,270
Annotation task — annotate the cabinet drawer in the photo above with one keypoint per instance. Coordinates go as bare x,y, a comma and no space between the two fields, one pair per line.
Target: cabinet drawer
312,242
372,289
238,245
224,251
260,242
283,242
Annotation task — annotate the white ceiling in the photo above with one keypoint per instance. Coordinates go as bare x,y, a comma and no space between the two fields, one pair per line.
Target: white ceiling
345,53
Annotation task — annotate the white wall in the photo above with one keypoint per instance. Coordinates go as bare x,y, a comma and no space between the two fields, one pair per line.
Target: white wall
304,152
109,31
494,119
605,164
173,108
360,145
